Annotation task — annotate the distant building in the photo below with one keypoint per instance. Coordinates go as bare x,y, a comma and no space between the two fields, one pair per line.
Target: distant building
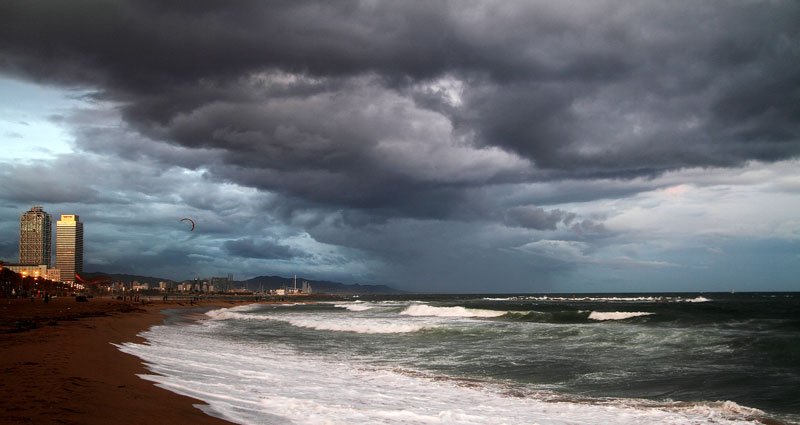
69,247
39,270
222,284
35,236
139,286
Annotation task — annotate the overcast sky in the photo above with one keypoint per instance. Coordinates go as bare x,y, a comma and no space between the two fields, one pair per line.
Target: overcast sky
436,146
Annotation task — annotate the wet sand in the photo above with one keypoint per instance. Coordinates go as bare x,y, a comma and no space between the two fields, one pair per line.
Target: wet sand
58,364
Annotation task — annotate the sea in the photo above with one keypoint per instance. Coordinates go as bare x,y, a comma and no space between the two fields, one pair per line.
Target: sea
688,358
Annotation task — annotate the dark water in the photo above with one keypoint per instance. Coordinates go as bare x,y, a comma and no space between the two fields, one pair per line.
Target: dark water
742,347
666,358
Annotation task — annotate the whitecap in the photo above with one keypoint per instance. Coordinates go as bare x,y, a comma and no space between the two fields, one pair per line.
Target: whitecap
366,326
428,310
358,306
698,300
616,315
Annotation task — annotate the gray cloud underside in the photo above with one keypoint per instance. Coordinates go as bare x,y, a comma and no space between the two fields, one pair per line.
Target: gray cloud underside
404,105
385,130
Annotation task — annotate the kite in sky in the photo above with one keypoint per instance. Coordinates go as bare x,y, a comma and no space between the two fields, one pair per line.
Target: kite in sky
190,221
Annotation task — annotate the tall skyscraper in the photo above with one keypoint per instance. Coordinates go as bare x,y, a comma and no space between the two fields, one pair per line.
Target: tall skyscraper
69,246
35,236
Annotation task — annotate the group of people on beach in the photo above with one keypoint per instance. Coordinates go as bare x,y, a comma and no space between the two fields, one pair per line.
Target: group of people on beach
45,296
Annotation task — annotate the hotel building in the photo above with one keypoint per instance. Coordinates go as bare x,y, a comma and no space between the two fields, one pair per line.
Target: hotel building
35,235
69,247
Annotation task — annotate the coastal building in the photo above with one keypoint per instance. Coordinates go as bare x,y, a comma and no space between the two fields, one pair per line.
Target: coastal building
39,270
222,284
140,286
35,236
69,247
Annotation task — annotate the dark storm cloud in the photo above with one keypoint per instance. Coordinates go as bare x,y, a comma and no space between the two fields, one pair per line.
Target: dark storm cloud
263,249
9,249
402,108
537,218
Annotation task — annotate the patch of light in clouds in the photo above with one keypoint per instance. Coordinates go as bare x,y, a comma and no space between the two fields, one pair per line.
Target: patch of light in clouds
29,113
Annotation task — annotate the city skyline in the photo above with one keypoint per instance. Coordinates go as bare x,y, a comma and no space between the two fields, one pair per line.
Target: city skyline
36,240
437,147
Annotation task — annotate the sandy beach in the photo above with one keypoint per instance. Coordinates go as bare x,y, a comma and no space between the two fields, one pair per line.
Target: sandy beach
59,365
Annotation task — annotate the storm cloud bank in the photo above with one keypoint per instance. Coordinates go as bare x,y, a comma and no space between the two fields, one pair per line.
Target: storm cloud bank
361,114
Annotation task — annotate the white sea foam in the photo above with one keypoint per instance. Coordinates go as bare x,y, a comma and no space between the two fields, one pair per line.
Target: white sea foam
698,300
227,314
428,310
364,326
241,312
252,383
356,306
616,315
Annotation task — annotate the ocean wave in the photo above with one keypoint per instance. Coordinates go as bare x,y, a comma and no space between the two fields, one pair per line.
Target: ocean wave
362,327
616,315
324,323
230,314
260,383
698,299
428,310
357,306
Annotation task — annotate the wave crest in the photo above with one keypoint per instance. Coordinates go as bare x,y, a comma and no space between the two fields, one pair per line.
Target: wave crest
616,315
428,310
357,306
362,327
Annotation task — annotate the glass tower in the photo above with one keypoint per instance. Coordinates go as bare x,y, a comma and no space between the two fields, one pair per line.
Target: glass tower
69,247
35,235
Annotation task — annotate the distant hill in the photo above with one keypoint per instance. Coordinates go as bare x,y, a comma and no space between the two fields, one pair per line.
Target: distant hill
128,278
318,286
266,283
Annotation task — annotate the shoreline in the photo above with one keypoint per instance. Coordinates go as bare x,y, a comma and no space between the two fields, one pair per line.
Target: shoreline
58,363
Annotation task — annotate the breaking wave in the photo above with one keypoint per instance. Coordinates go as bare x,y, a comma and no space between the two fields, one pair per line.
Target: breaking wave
698,299
358,326
356,306
427,310
616,315
324,323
